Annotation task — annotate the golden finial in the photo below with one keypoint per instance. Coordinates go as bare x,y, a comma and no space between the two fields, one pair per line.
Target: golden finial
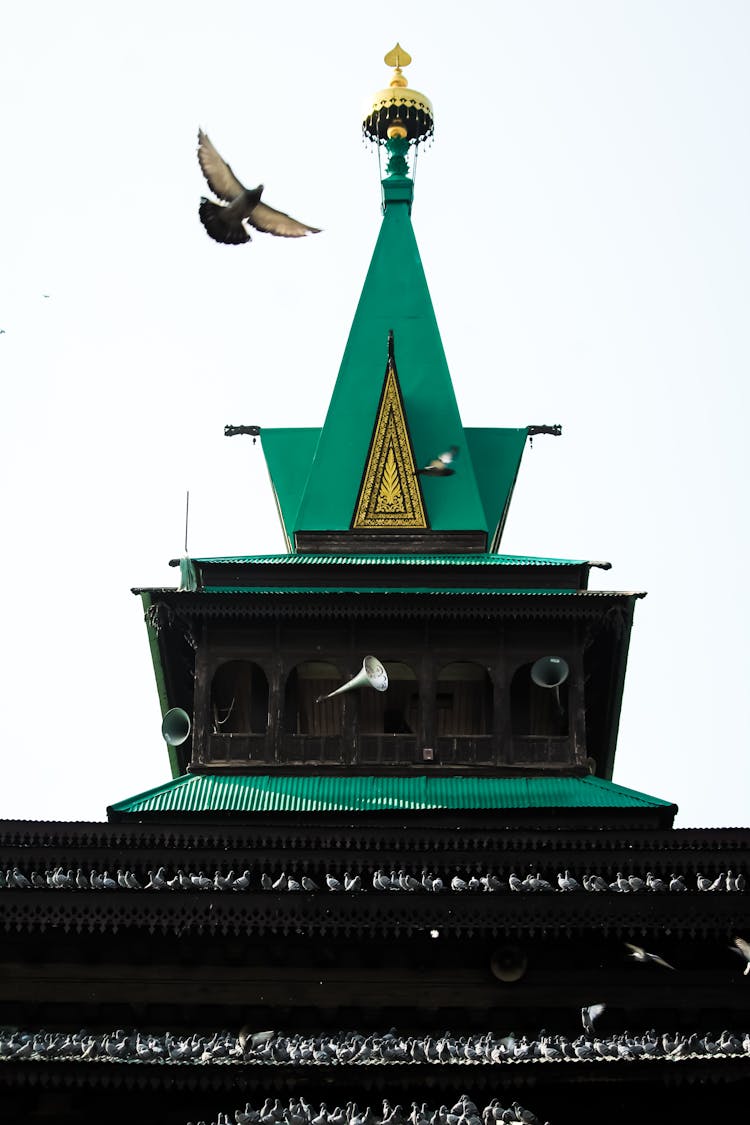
398,57
398,112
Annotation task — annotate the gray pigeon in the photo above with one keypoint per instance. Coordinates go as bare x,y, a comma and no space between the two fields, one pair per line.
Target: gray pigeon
226,221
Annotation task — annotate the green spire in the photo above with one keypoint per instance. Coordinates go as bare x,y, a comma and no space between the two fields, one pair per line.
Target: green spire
394,297
318,499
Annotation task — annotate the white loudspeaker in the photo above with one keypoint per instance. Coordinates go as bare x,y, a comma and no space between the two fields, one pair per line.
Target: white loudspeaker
372,674
550,671
175,726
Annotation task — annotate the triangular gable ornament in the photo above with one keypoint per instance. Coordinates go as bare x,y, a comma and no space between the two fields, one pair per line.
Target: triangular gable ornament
390,495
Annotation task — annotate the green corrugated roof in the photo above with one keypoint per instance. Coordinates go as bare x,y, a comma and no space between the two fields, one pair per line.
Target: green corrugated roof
484,559
446,591
203,793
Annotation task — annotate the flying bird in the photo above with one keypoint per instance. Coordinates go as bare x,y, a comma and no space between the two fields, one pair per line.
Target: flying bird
643,956
441,466
225,222
589,1014
743,948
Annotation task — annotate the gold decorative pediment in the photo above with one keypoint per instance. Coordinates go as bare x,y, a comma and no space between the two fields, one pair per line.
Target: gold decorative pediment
390,493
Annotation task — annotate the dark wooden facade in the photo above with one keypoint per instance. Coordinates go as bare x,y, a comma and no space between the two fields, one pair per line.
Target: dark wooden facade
137,983
190,962
458,655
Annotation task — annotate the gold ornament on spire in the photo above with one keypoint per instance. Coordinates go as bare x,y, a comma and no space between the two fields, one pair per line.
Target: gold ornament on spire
398,57
398,111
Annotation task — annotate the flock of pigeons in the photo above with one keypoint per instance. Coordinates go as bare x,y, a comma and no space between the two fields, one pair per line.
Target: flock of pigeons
353,1048
58,878
464,1112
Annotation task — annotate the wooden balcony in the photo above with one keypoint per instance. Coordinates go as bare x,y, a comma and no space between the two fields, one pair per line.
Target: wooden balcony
385,751
540,750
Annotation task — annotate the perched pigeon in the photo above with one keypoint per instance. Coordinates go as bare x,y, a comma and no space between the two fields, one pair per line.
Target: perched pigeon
441,466
641,955
595,884
225,222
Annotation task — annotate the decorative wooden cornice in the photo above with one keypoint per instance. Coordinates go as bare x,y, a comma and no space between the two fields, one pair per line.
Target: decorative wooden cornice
266,913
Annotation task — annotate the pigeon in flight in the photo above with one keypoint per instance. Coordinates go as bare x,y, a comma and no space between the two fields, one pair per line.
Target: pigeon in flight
441,466
589,1014
639,954
225,222
743,948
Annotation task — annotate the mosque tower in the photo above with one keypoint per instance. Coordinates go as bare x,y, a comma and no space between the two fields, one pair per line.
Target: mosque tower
504,674
391,879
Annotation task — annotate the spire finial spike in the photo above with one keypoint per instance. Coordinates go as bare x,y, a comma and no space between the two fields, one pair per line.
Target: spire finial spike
397,58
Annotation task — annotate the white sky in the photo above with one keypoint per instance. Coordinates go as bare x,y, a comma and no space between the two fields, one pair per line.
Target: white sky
584,224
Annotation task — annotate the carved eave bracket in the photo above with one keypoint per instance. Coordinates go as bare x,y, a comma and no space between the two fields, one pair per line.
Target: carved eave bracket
390,495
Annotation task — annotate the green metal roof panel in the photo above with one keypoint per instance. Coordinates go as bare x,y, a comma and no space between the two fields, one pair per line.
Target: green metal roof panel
202,793
289,454
395,296
395,560
496,456
446,591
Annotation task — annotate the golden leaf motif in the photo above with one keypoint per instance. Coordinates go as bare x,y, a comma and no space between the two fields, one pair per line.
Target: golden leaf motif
390,495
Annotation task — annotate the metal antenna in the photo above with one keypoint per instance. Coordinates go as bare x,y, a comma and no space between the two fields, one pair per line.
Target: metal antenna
187,513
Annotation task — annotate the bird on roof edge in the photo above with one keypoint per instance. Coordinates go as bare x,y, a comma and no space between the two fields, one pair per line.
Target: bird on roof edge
225,222
440,466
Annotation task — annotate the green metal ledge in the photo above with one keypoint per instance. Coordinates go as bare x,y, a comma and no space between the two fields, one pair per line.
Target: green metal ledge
218,793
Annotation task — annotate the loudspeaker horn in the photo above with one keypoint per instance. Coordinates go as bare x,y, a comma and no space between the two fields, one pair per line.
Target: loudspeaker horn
372,674
175,726
508,963
550,671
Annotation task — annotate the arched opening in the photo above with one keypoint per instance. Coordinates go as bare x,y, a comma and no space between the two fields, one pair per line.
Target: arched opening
306,684
395,711
239,698
537,710
463,703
